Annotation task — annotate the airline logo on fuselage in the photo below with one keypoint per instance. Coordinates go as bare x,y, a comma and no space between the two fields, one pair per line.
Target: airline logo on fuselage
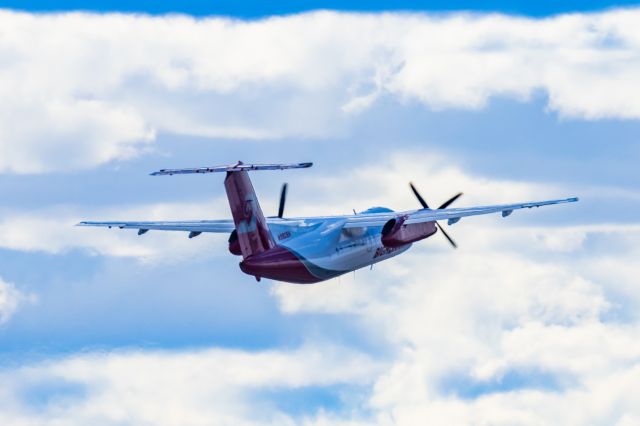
383,251
250,222
284,235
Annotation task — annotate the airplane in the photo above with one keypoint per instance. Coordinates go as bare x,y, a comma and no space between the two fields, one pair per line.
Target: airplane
307,250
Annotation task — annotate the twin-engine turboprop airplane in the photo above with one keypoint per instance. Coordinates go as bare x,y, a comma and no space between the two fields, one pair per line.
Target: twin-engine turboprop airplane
308,250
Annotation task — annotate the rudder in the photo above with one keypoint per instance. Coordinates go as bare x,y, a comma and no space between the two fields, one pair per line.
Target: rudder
253,233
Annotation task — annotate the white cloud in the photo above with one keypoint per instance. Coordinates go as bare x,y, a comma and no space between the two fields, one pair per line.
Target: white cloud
520,325
173,388
448,321
551,304
501,303
53,230
80,90
10,300
475,318
437,177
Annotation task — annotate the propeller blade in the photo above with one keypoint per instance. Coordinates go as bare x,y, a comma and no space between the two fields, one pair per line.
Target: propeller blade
418,196
453,243
450,200
444,205
283,199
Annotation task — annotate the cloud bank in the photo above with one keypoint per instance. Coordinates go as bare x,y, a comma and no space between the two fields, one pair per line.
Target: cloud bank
80,90
520,323
173,388
500,332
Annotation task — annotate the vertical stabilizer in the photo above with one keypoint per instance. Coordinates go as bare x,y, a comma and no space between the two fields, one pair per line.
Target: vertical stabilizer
253,233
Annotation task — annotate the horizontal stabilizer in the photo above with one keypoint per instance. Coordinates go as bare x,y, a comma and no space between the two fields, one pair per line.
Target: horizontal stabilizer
238,167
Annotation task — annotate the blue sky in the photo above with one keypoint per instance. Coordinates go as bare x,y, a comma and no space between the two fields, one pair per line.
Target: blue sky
535,311
257,9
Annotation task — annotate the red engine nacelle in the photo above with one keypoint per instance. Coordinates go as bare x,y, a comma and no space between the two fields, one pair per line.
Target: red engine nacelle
395,233
234,244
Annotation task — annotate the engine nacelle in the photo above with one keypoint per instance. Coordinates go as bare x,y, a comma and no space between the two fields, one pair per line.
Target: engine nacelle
395,233
234,243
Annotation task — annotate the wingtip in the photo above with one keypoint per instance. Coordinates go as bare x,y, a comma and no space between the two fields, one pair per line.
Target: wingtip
160,172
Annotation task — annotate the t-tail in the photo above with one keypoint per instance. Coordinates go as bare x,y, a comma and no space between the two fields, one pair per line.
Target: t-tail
251,226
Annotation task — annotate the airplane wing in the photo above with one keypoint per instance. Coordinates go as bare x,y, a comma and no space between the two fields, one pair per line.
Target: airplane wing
452,215
356,221
194,227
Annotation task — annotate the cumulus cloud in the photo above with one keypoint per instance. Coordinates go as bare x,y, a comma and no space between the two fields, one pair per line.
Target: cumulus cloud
520,325
80,90
203,387
501,331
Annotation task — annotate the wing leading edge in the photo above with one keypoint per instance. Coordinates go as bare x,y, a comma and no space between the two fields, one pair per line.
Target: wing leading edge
195,226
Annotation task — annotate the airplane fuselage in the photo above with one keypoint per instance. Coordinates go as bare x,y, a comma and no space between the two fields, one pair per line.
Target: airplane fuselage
312,252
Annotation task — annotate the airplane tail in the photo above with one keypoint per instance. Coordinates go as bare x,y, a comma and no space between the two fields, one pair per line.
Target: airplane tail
251,226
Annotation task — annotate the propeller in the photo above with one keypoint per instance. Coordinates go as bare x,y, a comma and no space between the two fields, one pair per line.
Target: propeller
453,243
283,199
418,196
442,206
450,200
